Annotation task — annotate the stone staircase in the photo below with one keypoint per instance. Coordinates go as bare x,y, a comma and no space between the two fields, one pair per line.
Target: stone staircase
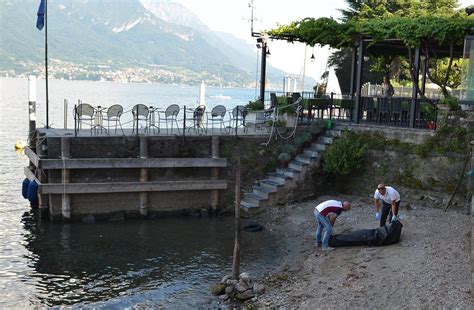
280,186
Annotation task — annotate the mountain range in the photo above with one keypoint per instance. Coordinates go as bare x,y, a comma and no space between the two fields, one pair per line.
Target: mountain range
136,40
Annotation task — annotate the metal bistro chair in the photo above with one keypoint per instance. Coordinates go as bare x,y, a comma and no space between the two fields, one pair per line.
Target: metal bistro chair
140,113
196,119
383,110
396,111
237,117
368,108
170,115
113,115
216,115
84,114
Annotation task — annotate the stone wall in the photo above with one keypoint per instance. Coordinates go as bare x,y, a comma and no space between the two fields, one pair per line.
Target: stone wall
256,160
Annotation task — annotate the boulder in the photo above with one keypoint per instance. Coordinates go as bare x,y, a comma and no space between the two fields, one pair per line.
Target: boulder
218,288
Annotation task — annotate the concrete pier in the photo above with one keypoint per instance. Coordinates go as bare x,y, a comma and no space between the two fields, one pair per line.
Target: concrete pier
138,175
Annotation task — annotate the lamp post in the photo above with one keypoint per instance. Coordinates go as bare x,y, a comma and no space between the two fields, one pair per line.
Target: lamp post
263,68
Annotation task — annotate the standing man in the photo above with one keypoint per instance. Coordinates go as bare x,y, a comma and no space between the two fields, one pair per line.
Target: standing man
390,199
326,214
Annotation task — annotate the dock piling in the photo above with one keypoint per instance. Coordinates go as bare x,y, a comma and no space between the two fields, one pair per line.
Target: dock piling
143,176
215,172
65,154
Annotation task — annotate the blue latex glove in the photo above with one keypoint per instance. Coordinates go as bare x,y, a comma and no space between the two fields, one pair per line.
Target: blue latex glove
377,216
394,218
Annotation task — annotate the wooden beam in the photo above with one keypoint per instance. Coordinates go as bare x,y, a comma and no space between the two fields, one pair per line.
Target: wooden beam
110,163
127,187
33,157
30,175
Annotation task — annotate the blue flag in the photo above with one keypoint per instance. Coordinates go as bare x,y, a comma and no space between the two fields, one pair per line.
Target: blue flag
41,11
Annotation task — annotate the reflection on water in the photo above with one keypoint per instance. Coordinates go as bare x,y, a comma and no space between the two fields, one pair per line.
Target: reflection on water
160,261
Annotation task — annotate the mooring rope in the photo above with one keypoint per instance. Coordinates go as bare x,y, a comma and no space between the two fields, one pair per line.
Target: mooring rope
277,132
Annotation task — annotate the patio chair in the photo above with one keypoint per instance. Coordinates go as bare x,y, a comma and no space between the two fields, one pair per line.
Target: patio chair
368,108
84,114
140,113
170,115
113,115
197,119
383,110
396,111
216,115
320,105
237,117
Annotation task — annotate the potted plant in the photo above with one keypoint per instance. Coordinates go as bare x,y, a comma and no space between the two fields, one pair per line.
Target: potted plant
305,138
298,144
283,159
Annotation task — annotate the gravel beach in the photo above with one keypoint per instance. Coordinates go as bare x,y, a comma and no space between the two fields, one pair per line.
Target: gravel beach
430,267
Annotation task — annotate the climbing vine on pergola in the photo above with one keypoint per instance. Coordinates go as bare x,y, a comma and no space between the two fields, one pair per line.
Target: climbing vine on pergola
421,32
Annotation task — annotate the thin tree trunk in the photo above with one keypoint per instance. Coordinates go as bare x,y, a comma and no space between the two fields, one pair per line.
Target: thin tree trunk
236,257
457,185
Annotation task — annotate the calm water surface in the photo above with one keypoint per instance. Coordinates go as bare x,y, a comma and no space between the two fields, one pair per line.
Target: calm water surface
163,262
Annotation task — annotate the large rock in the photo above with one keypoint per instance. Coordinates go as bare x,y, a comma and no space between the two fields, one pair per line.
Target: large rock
258,289
245,295
218,288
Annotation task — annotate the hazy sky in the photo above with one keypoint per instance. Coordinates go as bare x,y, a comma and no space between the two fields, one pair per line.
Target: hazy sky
233,16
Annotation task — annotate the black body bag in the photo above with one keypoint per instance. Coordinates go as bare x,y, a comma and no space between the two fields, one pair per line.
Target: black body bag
385,235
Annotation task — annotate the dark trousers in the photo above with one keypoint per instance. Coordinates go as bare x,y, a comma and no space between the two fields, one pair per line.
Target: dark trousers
387,211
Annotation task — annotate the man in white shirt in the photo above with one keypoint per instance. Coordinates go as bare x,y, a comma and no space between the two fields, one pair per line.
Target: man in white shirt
390,199
325,214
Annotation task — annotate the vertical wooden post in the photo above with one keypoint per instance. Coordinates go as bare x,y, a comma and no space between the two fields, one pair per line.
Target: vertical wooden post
237,228
41,149
66,178
215,172
358,82
143,176
415,104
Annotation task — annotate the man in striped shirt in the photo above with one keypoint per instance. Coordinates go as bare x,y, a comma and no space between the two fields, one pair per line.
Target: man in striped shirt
326,213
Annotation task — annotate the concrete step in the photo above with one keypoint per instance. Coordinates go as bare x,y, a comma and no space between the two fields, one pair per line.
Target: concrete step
304,158
270,184
318,147
289,172
334,132
278,177
297,165
248,205
254,198
311,153
324,140
263,191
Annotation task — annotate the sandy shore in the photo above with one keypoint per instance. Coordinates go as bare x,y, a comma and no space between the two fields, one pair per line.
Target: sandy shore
430,267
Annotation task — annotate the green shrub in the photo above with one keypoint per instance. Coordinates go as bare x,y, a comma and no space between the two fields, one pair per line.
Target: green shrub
298,141
256,105
452,102
289,149
344,156
314,129
305,136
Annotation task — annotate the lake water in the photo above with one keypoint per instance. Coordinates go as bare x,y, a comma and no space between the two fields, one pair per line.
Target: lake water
145,263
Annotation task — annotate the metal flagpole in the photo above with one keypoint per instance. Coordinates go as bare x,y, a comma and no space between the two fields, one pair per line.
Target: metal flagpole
46,58
40,23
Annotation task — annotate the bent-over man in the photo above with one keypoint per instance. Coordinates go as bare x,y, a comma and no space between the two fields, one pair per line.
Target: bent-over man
326,213
390,199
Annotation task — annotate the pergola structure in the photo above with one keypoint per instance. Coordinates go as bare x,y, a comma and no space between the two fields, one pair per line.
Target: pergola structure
366,46
421,38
